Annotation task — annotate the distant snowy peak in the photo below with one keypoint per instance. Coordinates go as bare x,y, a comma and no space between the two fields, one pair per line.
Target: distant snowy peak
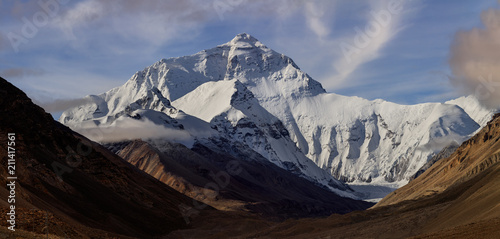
243,58
244,44
481,114
244,39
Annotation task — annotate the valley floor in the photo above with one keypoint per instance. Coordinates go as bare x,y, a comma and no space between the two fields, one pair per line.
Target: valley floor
372,193
390,222
411,219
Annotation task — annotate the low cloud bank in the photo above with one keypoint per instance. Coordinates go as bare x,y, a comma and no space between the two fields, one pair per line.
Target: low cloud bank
130,129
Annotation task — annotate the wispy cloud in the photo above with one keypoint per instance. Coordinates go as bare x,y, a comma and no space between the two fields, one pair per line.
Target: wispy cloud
20,72
155,22
367,41
62,104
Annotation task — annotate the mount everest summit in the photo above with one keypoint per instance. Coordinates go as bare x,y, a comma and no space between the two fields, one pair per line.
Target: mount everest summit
243,93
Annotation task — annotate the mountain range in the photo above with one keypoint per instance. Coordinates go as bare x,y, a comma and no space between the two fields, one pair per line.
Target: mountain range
244,92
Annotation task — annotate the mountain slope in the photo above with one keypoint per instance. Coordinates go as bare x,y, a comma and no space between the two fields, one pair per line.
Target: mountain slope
473,157
242,184
78,181
350,138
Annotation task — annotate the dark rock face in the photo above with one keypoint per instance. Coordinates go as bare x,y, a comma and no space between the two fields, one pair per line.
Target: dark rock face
79,181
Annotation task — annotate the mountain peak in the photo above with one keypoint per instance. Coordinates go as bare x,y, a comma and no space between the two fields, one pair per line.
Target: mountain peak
244,37
245,40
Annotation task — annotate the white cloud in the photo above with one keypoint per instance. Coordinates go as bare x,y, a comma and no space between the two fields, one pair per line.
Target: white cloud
130,129
83,13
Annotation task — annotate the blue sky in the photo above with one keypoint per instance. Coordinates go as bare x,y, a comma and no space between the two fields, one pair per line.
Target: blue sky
74,48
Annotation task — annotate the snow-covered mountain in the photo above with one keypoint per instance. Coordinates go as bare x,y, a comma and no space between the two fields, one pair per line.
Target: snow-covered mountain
474,109
244,92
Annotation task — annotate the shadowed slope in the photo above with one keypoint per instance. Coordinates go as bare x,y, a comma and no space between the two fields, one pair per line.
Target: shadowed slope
248,183
79,181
